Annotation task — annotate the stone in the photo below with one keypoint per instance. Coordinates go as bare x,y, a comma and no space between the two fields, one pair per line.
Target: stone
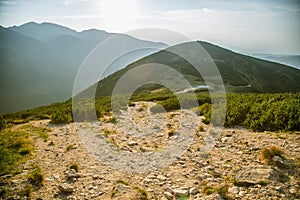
151,176
66,188
209,167
281,161
49,179
132,143
72,174
293,191
215,196
168,195
193,190
258,174
233,190
56,176
161,177
181,191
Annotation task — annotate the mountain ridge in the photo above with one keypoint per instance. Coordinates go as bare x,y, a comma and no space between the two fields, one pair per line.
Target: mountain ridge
238,72
39,62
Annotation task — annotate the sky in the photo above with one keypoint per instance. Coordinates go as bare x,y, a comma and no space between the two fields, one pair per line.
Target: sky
266,26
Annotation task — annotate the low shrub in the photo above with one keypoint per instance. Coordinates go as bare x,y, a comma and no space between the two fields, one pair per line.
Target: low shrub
268,153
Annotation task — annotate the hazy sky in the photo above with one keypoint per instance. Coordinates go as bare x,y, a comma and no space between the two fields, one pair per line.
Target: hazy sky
255,26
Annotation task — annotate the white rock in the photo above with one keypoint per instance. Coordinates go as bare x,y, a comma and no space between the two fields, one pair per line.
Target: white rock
293,191
132,143
168,195
233,190
66,188
193,190
181,191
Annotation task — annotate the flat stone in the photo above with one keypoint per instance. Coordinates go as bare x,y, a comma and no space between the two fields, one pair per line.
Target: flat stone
66,188
233,190
181,191
252,175
168,195
193,190
132,143
293,191
72,174
161,177
214,197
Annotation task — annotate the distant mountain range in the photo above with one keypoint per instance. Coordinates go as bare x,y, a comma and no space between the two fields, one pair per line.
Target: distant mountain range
290,60
240,73
39,62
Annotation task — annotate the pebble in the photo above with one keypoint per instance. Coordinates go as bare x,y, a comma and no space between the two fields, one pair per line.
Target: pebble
181,191
168,195
233,190
66,188
193,190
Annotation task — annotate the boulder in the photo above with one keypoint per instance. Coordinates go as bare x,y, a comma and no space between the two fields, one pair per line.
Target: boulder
258,174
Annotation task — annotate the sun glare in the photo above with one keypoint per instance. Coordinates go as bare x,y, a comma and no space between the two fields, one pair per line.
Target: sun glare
119,14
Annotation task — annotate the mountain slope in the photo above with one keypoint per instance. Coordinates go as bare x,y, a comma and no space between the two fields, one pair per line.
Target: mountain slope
240,73
290,60
39,62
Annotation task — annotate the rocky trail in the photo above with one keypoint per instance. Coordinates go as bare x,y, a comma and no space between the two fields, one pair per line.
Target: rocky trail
233,169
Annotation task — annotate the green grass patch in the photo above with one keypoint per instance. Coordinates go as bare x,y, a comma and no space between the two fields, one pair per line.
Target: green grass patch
74,166
36,176
143,195
221,190
41,132
69,147
15,149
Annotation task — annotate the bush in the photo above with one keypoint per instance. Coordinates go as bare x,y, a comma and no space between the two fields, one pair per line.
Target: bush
1,123
268,153
60,117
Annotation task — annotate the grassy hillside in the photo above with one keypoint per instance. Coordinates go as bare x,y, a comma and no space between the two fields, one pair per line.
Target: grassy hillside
256,108
240,73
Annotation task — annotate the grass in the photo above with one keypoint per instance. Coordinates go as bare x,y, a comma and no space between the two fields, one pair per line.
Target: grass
69,147
107,133
74,166
221,190
41,132
36,176
143,195
27,191
184,197
267,154
15,149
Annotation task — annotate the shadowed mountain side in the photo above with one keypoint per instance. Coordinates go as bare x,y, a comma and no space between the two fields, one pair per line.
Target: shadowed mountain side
240,73
39,62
